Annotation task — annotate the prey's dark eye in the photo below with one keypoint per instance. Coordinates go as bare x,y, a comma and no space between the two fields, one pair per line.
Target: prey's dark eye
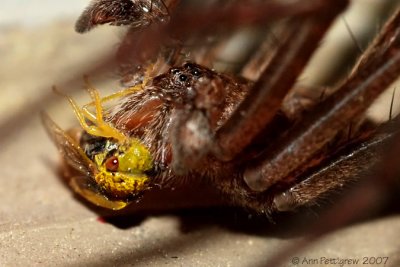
182,77
112,164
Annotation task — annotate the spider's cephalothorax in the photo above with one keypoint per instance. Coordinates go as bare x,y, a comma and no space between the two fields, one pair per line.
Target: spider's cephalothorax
155,113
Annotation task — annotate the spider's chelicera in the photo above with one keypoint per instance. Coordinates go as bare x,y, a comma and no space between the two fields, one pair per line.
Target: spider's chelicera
251,139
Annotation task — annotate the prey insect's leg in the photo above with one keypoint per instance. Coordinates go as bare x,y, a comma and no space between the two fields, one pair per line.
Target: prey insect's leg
108,98
101,128
80,114
117,95
376,70
265,98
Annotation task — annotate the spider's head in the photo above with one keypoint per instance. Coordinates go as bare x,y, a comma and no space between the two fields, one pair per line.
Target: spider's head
180,85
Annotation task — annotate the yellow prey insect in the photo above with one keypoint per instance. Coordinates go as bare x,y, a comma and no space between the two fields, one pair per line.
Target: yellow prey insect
113,174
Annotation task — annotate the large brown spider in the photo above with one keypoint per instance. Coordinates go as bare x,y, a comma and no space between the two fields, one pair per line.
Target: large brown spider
256,141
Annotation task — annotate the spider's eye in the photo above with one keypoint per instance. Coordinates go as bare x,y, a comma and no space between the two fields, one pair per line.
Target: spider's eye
182,77
112,164
195,72
174,71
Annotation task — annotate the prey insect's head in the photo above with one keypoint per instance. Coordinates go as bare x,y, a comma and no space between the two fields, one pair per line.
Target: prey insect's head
120,168
110,168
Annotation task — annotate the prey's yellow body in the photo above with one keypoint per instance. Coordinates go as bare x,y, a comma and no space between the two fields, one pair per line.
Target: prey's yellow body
114,175
129,178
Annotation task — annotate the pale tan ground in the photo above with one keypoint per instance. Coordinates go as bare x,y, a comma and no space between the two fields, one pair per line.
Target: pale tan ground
43,224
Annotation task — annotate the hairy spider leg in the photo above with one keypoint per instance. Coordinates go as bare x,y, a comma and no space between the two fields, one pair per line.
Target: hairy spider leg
374,72
337,172
267,94
367,198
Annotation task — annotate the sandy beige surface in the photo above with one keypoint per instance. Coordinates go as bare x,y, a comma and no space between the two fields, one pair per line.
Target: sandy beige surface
43,224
